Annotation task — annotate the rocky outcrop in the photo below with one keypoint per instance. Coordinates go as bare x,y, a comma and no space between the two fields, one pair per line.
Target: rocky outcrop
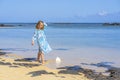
112,24
6,25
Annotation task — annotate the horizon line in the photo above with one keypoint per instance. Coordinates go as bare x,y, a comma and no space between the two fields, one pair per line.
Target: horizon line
54,22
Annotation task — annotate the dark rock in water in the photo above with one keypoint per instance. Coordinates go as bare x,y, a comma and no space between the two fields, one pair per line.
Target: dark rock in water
70,70
113,24
101,64
3,25
115,73
74,68
20,25
104,64
90,74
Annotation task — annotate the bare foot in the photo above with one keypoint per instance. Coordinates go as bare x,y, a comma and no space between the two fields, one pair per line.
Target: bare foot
43,62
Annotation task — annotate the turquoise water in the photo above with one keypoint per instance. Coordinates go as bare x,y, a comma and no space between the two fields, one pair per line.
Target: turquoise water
65,39
95,35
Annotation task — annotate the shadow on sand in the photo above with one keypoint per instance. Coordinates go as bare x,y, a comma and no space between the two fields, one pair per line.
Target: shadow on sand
21,62
26,62
38,73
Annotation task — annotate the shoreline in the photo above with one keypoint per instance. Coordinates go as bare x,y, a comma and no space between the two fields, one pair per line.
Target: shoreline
13,65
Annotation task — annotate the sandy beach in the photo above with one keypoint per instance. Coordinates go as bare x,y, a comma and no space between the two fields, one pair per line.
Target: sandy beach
13,67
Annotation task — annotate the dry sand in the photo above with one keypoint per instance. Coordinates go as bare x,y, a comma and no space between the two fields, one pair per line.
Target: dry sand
12,69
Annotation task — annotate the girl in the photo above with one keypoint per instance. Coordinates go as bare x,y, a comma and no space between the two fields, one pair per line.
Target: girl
40,37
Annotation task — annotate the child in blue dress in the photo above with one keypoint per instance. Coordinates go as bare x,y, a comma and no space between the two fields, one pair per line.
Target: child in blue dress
40,37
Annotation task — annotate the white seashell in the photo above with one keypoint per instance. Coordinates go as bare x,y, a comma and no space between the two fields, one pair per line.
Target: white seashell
58,61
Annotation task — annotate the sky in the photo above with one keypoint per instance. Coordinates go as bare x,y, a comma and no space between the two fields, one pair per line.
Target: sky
82,11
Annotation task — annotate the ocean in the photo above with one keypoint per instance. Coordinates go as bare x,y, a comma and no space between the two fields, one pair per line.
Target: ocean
74,43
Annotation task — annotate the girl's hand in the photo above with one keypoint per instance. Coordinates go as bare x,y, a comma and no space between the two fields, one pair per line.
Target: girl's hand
32,43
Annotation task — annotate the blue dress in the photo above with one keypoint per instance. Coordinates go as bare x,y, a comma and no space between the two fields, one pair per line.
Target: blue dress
41,41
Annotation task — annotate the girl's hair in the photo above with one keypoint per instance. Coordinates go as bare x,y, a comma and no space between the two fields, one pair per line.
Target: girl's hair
37,25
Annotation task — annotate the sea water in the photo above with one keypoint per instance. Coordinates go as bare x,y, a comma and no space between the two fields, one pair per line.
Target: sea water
74,43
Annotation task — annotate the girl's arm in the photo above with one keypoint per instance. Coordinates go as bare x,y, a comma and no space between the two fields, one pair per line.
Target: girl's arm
34,37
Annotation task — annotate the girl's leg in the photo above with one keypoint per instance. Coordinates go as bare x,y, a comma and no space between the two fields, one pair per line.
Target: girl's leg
42,58
39,53
39,56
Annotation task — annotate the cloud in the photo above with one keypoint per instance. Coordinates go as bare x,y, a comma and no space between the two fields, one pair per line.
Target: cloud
102,13
102,17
